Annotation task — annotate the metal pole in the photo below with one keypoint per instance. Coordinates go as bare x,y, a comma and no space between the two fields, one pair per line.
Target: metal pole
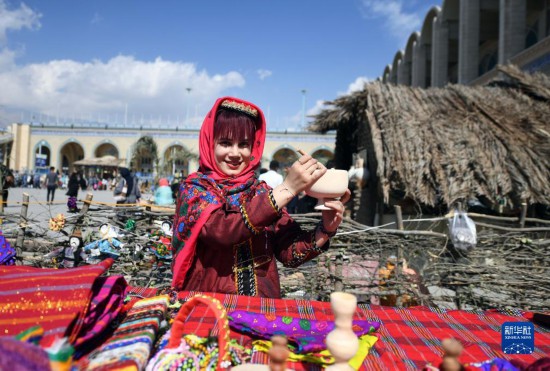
303,125
188,103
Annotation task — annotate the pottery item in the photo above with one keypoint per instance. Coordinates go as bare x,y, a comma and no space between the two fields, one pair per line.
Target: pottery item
331,186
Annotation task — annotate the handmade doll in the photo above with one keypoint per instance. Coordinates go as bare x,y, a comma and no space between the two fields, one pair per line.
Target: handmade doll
108,246
161,242
69,256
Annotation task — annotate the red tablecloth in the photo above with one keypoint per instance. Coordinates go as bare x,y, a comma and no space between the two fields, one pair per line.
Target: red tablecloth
409,338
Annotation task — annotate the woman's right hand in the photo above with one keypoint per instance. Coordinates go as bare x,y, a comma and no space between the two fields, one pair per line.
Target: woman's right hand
303,173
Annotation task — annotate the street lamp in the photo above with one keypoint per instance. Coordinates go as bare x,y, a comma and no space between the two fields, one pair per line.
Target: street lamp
303,125
188,104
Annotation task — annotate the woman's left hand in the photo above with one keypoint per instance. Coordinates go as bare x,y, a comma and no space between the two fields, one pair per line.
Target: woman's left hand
332,218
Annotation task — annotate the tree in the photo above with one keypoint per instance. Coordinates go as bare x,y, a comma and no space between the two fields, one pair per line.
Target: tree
175,154
145,150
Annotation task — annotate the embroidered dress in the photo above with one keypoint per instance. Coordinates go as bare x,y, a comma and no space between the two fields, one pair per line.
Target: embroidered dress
228,230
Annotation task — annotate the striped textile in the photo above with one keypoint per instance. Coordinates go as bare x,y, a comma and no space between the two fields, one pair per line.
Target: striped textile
130,346
409,338
56,299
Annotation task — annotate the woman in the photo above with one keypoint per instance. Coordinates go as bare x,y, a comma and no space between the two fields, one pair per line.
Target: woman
127,190
229,227
163,194
72,191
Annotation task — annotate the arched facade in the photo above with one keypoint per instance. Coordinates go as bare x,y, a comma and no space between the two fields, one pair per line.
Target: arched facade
175,159
42,154
387,74
71,151
464,40
58,139
407,64
396,67
422,74
106,148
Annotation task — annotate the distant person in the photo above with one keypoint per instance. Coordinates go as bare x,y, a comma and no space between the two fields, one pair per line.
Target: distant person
72,191
272,177
8,181
52,180
127,190
163,193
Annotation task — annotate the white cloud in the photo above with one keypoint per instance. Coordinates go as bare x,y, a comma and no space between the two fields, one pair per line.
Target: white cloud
263,74
399,22
103,89
357,85
16,19
77,89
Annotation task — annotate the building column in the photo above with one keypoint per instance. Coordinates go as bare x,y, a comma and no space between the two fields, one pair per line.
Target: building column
511,40
419,65
468,41
401,70
440,52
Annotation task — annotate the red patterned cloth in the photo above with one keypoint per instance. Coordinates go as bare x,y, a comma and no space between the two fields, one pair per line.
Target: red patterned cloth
59,300
409,338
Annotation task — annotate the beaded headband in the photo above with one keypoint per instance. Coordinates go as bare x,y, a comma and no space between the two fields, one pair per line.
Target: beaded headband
241,107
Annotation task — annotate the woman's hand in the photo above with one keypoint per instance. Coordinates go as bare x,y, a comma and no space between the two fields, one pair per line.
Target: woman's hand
333,217
300,176
303,173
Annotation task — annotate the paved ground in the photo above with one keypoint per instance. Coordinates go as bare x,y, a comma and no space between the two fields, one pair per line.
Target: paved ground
39,211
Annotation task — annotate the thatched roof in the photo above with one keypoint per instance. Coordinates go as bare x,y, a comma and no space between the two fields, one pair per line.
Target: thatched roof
442,145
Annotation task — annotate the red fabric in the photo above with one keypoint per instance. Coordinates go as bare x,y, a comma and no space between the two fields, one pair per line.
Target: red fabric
56,299
207,161
163,182
409,338
212,269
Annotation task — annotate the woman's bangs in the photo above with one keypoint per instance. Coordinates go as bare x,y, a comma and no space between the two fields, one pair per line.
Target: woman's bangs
234,126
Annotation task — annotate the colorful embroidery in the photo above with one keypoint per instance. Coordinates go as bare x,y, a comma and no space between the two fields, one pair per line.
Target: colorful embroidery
306,335
247,222
245,277
198,193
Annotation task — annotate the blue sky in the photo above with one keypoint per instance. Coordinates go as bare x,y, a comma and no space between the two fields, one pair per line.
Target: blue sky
133,60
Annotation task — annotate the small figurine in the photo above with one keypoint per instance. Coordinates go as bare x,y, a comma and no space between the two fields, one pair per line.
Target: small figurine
108,246
69,256
161,243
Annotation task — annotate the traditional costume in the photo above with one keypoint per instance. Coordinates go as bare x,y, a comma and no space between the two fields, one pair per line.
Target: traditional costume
228,229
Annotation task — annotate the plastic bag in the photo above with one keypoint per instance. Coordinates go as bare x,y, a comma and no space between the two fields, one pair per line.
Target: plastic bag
462,231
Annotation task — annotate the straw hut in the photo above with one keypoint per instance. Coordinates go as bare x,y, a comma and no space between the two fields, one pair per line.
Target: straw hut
431,149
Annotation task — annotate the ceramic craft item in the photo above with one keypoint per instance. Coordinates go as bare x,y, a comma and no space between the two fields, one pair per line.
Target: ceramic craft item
331,186
342,341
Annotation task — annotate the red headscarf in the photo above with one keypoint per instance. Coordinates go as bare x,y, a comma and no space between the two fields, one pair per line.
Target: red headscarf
205,191
206,145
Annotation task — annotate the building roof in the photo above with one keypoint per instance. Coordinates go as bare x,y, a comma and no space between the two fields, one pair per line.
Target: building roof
101,161
443,145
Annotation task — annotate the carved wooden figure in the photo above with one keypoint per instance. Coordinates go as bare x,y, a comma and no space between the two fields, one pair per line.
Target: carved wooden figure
342,341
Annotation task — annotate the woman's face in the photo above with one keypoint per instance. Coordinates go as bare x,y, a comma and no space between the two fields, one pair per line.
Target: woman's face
232,156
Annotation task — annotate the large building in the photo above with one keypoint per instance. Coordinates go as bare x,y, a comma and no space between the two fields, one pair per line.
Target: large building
464,40
38,146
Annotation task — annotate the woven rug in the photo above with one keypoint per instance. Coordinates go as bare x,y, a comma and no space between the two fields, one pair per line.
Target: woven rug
409,338
59,300
130,346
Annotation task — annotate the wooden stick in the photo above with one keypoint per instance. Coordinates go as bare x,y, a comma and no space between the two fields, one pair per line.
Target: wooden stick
22,225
